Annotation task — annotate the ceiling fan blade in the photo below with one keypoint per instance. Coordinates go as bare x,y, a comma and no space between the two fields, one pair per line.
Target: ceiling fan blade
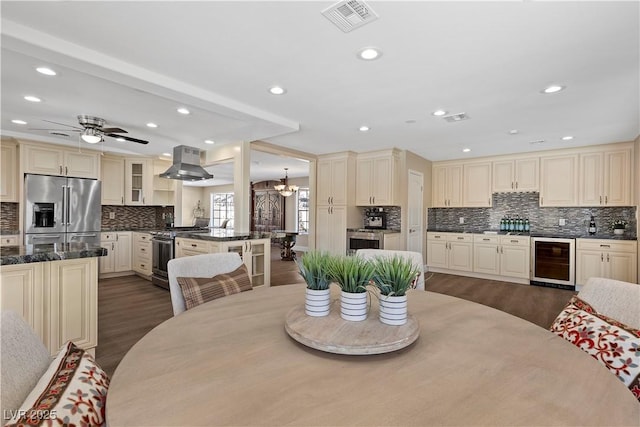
127,138
113,130
61,124
58,129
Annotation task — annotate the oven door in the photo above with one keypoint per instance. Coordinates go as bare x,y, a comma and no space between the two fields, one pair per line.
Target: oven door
553,260
363,240
162,252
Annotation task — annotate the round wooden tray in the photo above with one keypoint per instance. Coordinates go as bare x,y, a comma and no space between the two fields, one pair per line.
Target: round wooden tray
335,335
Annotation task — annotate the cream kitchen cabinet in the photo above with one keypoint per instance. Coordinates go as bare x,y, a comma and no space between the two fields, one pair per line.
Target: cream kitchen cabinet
9,240
163,189
559,180
613,259
516,175
447,186
377,178
142,255
392,241
8,172
113,178
118,259
59,299
331,229
453,251
255,254
336,179
138,181
605,178
48,160
476,187
501,255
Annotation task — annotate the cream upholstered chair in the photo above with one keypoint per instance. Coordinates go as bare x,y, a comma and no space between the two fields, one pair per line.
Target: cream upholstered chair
24,360
205,265
416,257
613,298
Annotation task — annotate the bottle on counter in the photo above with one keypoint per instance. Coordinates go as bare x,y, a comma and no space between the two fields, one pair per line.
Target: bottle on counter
527,225
503,223
512,224
592,225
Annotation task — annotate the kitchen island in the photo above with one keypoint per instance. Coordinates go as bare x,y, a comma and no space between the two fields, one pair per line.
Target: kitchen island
55,289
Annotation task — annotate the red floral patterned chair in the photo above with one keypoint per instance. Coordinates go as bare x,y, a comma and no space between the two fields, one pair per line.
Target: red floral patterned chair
604,321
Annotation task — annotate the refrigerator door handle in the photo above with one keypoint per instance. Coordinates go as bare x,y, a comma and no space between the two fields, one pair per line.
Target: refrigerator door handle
64,205
77,235
68,205
45,236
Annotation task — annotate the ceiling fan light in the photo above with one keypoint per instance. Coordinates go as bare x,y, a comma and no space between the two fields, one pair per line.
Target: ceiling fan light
91,136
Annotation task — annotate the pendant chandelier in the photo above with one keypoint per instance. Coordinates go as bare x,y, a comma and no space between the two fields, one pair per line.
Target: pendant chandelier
284,188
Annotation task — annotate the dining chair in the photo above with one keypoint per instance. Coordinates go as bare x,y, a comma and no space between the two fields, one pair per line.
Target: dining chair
613,298
204,265
416,257
24,359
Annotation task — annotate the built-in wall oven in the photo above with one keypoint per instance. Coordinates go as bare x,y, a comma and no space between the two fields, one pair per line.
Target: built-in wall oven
364,239
553,262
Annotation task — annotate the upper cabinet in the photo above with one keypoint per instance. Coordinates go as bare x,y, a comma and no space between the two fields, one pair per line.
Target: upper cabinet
377,178
8,173
559,180
476,187
163,188
59,161
447,186
605,178
516,175
336,178
138,181
113,173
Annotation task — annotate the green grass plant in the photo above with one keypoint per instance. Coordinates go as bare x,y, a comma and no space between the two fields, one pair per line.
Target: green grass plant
353,274
314,269
394,276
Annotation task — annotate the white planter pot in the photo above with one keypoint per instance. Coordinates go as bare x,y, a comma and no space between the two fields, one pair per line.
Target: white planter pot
317,303
393,310
618,231
353,306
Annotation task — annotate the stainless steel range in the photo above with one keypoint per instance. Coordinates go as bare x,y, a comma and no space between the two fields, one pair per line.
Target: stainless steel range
163,250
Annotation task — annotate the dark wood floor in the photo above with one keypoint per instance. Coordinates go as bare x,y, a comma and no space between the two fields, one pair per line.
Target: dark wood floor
129,307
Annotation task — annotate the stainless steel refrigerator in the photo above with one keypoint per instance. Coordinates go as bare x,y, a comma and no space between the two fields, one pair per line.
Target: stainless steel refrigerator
61,210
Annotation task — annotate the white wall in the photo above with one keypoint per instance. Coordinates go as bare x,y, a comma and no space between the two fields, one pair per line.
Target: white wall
290,212
190,198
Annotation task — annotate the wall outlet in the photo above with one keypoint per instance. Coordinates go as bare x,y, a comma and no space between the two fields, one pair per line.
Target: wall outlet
562,222
461,220
112,215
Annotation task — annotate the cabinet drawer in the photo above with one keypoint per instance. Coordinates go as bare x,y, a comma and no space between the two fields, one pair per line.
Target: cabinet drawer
515,240
437,236
194,245
9,240
483,238
456,237
143,266
606,245
142,237
108,237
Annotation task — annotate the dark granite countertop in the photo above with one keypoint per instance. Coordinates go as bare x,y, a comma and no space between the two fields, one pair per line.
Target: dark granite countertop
141,230
374,230
605,235
223,235
48,252
9,232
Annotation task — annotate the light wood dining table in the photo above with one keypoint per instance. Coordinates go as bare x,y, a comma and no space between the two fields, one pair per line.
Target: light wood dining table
230,362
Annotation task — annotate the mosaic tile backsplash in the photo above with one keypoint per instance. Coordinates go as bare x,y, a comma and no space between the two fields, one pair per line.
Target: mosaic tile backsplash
394,221
9,217
542,220
134,217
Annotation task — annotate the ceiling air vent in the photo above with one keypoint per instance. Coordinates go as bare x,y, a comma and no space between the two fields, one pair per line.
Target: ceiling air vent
538,141
349,15
61,134
456,117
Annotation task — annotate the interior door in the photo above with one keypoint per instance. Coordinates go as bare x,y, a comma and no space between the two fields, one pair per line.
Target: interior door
415,233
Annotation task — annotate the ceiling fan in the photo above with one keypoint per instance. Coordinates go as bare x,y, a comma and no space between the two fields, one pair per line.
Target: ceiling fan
93,130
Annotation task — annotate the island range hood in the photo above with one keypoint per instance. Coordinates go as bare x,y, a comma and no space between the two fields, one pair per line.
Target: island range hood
186,165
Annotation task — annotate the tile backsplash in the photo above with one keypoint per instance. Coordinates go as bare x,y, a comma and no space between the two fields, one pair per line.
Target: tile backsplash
9,217
132,217
394,221
542,220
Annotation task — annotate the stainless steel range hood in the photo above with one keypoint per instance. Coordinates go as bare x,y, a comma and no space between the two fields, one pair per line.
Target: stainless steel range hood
186,165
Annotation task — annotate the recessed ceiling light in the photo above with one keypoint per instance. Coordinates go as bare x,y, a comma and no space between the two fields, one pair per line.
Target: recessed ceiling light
553,89
369,53
411,121
46,71
513,132
439,113
184,111
364,128
277,90
209,141
19,122
152,125
32,98
166,154
466,150
567,138
120,139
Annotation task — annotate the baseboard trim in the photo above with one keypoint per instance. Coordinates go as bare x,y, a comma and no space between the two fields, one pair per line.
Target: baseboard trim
516,280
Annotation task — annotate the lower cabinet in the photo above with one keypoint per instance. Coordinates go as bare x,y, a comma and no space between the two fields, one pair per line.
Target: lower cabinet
141,259
453,251
331,229
59,299
118,259
255,253
612,259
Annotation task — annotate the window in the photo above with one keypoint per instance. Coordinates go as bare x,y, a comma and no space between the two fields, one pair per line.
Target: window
222,209
303,210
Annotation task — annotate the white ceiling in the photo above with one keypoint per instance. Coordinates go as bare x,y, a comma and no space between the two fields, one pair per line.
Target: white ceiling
135,62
